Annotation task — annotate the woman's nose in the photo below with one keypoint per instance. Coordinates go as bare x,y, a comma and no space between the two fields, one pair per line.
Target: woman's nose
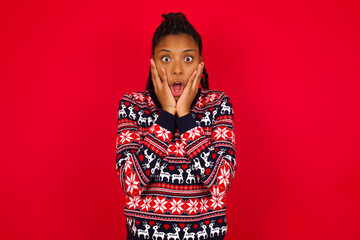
177,68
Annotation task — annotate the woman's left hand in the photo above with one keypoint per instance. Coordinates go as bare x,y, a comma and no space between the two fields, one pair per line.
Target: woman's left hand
191,89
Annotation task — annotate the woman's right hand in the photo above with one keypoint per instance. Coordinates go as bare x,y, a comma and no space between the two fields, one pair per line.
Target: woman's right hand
162,89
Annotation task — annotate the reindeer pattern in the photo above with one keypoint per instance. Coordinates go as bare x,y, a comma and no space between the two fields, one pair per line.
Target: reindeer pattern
150,229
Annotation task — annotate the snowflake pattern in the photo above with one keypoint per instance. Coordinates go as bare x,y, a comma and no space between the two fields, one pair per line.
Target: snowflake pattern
204,206
136,136
162,134
217,202
160,205
139,96
200,102
224,176
216,191
146,203
221,133
128,166
210,98
150,101
192,206
153,128
177,149
194,132
131,182
232,136
177,206
218,198
125,137
133,202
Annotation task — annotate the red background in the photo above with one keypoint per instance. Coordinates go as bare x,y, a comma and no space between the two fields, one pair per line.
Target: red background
291,68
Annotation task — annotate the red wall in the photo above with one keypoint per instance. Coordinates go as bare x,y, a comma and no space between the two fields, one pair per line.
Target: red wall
291,68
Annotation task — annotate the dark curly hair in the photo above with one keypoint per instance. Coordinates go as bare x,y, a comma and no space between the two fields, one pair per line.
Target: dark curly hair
176,23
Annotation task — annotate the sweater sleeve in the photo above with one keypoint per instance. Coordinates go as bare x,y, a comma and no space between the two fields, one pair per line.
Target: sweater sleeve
138,157
213,159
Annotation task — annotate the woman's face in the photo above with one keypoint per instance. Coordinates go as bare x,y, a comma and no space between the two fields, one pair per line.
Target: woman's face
179,55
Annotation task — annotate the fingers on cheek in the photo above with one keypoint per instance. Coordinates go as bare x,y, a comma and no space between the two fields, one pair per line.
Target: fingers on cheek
163,73
196,76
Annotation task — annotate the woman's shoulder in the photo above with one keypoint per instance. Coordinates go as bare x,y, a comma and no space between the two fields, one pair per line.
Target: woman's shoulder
136,96
213,96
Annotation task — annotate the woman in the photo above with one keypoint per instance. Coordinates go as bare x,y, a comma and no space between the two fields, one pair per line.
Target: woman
176,145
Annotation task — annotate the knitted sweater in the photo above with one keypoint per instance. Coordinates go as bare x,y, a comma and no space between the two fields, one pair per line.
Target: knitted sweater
175,172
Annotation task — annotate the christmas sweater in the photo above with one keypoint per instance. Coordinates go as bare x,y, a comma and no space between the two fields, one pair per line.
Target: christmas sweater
175,172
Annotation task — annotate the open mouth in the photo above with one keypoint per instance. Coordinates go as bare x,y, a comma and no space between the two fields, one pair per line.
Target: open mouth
177,88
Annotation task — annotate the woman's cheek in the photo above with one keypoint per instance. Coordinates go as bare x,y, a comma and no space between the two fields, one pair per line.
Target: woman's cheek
160,71
167,72
193,69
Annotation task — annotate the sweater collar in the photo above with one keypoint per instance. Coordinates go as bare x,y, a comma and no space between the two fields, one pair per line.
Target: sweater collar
157,103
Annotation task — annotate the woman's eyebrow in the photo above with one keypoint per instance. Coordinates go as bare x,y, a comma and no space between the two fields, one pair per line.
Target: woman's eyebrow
167,50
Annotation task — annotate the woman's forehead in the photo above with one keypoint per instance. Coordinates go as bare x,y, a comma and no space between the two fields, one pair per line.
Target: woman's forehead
177,42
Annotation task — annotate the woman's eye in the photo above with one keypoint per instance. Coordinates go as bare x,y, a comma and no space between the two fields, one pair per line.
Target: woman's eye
165,59
188,59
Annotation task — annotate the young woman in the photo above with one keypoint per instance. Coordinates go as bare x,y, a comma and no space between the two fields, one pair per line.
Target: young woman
175,143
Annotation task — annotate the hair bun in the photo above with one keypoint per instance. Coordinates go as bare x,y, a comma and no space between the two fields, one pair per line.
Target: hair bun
165,16
173,15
